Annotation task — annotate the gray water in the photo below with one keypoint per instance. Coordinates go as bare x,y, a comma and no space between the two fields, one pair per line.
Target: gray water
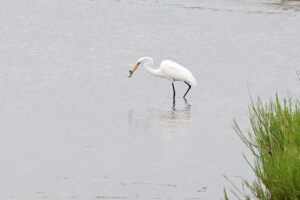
73,126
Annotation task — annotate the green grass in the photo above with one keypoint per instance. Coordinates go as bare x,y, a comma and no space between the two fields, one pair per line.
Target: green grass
274,140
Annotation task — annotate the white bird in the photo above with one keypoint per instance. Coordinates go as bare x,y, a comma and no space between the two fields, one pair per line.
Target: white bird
168,69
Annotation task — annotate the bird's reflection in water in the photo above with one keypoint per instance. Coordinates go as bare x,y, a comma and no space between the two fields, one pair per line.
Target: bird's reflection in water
187,105
176,120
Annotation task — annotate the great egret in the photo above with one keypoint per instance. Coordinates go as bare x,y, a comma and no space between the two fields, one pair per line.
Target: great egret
168,69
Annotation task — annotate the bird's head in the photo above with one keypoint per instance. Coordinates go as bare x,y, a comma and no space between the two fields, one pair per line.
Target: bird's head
140,61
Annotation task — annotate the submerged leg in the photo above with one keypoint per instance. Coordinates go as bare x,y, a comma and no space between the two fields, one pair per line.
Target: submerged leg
187,89
174,104
186,103
174,93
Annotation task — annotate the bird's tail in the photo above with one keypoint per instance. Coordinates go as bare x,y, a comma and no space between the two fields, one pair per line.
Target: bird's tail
193,81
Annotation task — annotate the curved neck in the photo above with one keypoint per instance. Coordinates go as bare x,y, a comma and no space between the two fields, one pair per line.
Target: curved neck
150,70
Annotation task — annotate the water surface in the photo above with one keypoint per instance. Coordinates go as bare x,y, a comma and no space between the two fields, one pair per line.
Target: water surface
73,126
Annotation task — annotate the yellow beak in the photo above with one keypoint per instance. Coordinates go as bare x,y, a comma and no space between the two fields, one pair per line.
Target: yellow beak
133,70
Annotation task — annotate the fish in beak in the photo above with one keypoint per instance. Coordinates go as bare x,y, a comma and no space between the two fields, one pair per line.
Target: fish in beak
133,70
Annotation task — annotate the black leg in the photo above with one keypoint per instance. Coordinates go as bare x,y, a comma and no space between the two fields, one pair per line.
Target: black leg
174,104
174,93
187,89
186,103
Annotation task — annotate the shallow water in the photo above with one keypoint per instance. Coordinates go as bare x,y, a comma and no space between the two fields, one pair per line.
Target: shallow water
73,126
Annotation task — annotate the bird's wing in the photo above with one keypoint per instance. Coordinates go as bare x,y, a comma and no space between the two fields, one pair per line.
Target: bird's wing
176,72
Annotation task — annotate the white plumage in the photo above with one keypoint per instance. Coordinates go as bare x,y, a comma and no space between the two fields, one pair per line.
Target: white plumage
168,69
176,72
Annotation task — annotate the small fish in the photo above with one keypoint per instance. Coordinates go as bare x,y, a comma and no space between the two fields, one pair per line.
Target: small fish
130,73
